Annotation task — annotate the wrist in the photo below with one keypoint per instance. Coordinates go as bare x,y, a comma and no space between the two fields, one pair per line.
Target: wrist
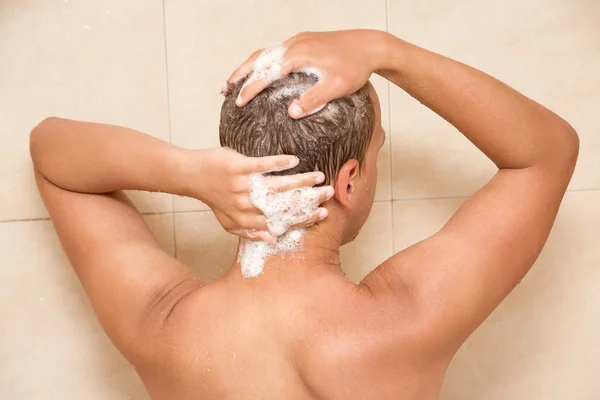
389,54
186,172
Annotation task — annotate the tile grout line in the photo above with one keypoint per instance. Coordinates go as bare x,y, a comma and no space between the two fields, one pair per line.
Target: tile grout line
387,16
429,198
169,120
7,221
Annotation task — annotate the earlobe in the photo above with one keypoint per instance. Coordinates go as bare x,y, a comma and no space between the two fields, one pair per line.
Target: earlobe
345,184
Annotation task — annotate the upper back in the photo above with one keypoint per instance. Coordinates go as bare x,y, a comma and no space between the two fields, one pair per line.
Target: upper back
333,340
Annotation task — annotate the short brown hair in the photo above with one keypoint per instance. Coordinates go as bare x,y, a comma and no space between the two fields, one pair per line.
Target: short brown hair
324,141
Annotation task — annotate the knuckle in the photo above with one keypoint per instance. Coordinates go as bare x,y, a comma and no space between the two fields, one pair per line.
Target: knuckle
338,82
240,221
233,167
239,185
302,47
238,203
261,165
242,204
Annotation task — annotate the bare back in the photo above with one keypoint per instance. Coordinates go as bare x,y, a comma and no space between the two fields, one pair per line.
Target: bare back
329,340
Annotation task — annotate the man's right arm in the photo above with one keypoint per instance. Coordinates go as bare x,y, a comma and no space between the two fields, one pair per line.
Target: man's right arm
459,275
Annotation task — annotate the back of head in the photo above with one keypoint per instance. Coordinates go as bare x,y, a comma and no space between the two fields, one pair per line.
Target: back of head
324,141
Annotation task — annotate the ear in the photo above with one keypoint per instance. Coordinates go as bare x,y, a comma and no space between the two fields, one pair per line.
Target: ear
345,184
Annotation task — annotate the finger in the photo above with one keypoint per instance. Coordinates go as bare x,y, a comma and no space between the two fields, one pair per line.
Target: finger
265,236
255,222
270,164
314,99
316,196
293,62
297,37
320,214
325,193
289,182
250,89
244,204
244,233
243,70
254,86
253,235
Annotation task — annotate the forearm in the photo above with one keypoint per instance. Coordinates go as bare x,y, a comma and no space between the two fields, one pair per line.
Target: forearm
511,129
97,158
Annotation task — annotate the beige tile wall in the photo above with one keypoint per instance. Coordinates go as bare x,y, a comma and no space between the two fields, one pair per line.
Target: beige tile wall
158,68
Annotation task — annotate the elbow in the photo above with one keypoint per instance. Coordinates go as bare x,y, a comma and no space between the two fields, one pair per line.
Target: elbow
566,150
38,135
570,145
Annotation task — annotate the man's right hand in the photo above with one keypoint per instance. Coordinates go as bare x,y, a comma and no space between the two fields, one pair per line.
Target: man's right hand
346,58
220,177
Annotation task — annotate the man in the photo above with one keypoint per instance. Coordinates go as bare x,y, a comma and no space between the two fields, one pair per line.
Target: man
300,330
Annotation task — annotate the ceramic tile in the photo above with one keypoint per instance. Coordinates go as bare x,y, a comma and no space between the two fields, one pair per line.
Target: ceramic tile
547,51
203,245
50,330
415,220
97,60
540,343
372,246
202,55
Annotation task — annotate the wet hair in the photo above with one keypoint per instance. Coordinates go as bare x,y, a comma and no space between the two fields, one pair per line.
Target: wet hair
324,141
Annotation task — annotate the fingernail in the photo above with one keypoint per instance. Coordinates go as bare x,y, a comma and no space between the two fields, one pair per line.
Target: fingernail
239,100
295,111
320,178
269,238
329,192
294,162
323,213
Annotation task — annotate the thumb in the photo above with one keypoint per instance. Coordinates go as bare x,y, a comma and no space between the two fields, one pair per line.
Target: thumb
313,100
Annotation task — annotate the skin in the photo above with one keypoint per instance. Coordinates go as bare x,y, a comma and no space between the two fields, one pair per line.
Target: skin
300,330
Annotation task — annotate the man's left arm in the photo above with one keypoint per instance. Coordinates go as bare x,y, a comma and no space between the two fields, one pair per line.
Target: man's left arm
128,278
132,284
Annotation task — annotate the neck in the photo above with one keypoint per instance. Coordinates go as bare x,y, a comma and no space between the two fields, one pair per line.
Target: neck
315,256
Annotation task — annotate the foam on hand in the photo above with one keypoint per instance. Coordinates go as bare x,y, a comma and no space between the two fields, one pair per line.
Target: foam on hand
290,91
282,210
267,67
310,70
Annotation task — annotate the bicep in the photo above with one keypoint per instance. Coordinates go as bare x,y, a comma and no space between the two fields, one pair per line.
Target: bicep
122,268
457,277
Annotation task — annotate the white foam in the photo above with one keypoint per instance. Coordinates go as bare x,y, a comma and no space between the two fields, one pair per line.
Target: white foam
252,255
282,210
267,66
290,91
311,70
